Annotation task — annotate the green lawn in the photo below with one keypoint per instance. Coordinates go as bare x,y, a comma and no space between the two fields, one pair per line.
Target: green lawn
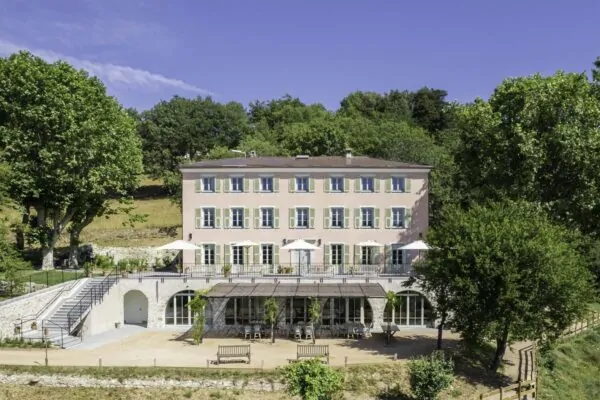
53,277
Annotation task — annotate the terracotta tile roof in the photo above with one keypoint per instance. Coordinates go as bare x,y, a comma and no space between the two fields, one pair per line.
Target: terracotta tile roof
303,162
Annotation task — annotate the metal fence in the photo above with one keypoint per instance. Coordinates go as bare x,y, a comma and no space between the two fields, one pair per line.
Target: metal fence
27,281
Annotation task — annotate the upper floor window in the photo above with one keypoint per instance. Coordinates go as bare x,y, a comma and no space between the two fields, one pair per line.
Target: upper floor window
266,254
205,218
266,217
337,254
266,183
208,254
208,184
237,255
398,184
337,217
366,255
237,217
302,184
367,184
302,217
236,184
398,217
367,217
336,184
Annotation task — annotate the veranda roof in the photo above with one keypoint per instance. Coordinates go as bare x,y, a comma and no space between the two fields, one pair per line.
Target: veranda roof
353,290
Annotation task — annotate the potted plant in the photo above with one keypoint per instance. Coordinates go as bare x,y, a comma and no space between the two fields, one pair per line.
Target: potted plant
117,325
227,270
34,326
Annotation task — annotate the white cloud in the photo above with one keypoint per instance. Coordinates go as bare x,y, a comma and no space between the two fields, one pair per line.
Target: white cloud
110,73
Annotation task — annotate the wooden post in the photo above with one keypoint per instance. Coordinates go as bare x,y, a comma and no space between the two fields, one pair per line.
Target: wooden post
481,396
99,362
262,364
154,362
501,393
345,361
207,363
519,390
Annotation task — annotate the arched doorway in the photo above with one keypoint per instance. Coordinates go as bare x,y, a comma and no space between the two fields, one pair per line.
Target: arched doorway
135,308
412,309
178,311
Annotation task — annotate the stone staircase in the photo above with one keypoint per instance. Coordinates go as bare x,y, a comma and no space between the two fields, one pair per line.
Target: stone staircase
62,324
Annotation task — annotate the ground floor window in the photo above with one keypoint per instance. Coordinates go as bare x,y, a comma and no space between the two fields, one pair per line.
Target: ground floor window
244,310
412,309
366,255
267,254
337,254
237,255
178,311
397,256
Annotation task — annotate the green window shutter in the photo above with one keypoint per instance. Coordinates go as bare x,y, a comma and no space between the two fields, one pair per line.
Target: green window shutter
326,254
346,254
275,254
275,184
226,218
198,218
356,255
346,185
311,218
388,185
226,185
256,218
407,217
376,222
346,217
326,216
227,254
256,185
217,254
198,183
291,184
276,218
407,185
311,184
198,257
388,218
217,185
376,255
247,218
357,184
217,217
292,217
256,254
357,218
246,185
376,183
327,184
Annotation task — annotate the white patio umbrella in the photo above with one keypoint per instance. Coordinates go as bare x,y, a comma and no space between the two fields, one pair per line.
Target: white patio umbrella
370,243
416,245
246,244
179,245
299,245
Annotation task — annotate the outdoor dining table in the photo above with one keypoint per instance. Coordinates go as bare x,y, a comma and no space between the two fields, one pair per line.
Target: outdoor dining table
390,330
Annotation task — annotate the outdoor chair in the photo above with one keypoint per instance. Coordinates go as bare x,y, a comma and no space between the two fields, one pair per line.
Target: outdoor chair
247,332
360,332
257,334
297,333
308,333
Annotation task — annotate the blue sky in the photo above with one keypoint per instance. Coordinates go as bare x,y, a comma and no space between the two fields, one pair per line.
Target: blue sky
148,50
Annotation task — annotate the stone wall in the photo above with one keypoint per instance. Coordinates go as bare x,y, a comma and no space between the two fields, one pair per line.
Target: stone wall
29,305
127,253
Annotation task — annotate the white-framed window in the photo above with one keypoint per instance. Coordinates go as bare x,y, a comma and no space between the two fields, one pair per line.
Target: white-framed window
237,217
266,217
208,184
397,256
367,184
208,217
366,255
208,254
367,217
302,183
266,183
266,254
398,184
336,219
236,184
336,184
237,255
302,217
398,217
337,254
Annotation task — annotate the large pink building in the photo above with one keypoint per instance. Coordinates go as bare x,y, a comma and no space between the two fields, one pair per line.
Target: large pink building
357,211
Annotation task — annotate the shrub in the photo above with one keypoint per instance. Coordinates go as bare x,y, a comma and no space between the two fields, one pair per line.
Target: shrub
313,380
430,375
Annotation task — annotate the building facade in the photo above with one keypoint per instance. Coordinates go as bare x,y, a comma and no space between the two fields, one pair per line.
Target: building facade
358,211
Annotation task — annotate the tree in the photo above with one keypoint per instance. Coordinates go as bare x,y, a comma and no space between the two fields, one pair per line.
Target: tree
430,375
314,314
274,114
313,380
596,70
66,141
271,312
321,137
198,307
429,110
391,301
536,139
392,106
511,274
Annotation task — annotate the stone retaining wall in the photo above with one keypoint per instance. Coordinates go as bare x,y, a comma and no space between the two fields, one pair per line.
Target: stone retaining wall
149,254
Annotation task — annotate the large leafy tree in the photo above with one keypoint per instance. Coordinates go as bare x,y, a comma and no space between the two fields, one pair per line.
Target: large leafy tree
67,142
508,273
537,139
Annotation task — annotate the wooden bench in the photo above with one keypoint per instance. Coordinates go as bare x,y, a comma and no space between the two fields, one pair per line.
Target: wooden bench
236,351
312,351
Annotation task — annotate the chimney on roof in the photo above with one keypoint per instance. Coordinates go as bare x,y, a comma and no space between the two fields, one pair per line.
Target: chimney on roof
348,156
